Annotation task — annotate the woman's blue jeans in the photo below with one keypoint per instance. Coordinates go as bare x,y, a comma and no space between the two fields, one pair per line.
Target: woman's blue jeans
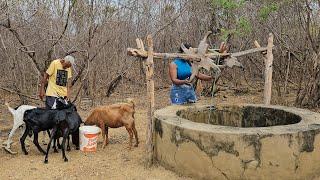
181,94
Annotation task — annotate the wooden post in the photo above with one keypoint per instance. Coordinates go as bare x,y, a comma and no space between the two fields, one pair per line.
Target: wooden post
268,71
150,90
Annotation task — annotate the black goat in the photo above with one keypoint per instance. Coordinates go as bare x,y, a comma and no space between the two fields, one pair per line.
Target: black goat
62,122
61,103
74,121
65,128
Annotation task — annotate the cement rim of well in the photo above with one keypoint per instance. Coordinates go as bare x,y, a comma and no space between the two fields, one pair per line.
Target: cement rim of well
309,120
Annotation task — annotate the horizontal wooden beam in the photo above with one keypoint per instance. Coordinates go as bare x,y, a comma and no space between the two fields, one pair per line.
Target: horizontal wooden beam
143,54
191,57
249,51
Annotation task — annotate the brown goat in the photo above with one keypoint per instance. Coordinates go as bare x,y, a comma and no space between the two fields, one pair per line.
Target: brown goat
114,116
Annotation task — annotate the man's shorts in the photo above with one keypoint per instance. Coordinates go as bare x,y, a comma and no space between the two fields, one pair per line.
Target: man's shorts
51,102
181,94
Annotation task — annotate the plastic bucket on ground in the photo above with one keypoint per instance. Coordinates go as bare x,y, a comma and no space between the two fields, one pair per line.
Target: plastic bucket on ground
89,138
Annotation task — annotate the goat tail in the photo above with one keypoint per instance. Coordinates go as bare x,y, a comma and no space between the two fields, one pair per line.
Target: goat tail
10,108
131,101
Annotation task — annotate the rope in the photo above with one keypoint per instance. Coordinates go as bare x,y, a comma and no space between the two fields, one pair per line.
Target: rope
212,92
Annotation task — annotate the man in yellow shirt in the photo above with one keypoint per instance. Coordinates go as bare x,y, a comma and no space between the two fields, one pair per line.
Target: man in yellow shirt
58,76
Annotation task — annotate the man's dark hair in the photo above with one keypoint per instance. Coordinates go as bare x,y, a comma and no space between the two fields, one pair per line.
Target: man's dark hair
187,45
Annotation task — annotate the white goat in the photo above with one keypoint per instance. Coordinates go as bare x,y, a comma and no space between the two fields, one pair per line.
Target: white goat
17,122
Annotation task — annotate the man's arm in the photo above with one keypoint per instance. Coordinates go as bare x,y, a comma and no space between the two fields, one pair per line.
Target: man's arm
43,82
69,85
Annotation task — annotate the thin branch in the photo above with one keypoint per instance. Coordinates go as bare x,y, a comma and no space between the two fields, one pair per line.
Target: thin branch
30,53
90,60
169,23
65,27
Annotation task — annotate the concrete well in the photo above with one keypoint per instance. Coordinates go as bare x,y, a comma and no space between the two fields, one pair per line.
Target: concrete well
238,141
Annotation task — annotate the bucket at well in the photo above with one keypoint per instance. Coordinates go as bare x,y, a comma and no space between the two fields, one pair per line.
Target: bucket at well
88,138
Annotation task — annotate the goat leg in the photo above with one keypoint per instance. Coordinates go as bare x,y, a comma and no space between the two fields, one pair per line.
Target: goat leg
68,145
135,135
75,139
49,144
48,131
131,136
9,141
54,145
103,133
13,130
107,131
65,135
36,142
58,143
23,138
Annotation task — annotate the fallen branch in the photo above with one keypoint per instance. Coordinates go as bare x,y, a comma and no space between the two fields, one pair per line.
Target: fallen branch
78,92
20,94
113,84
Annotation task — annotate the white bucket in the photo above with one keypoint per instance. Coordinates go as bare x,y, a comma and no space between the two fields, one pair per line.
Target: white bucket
88,138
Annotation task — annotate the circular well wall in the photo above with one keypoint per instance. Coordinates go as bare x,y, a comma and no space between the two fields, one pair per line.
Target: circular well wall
238,141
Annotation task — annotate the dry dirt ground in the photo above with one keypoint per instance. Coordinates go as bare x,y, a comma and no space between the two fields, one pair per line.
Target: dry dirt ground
113,162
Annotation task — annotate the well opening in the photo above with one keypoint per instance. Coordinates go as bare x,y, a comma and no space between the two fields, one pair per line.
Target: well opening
236,116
